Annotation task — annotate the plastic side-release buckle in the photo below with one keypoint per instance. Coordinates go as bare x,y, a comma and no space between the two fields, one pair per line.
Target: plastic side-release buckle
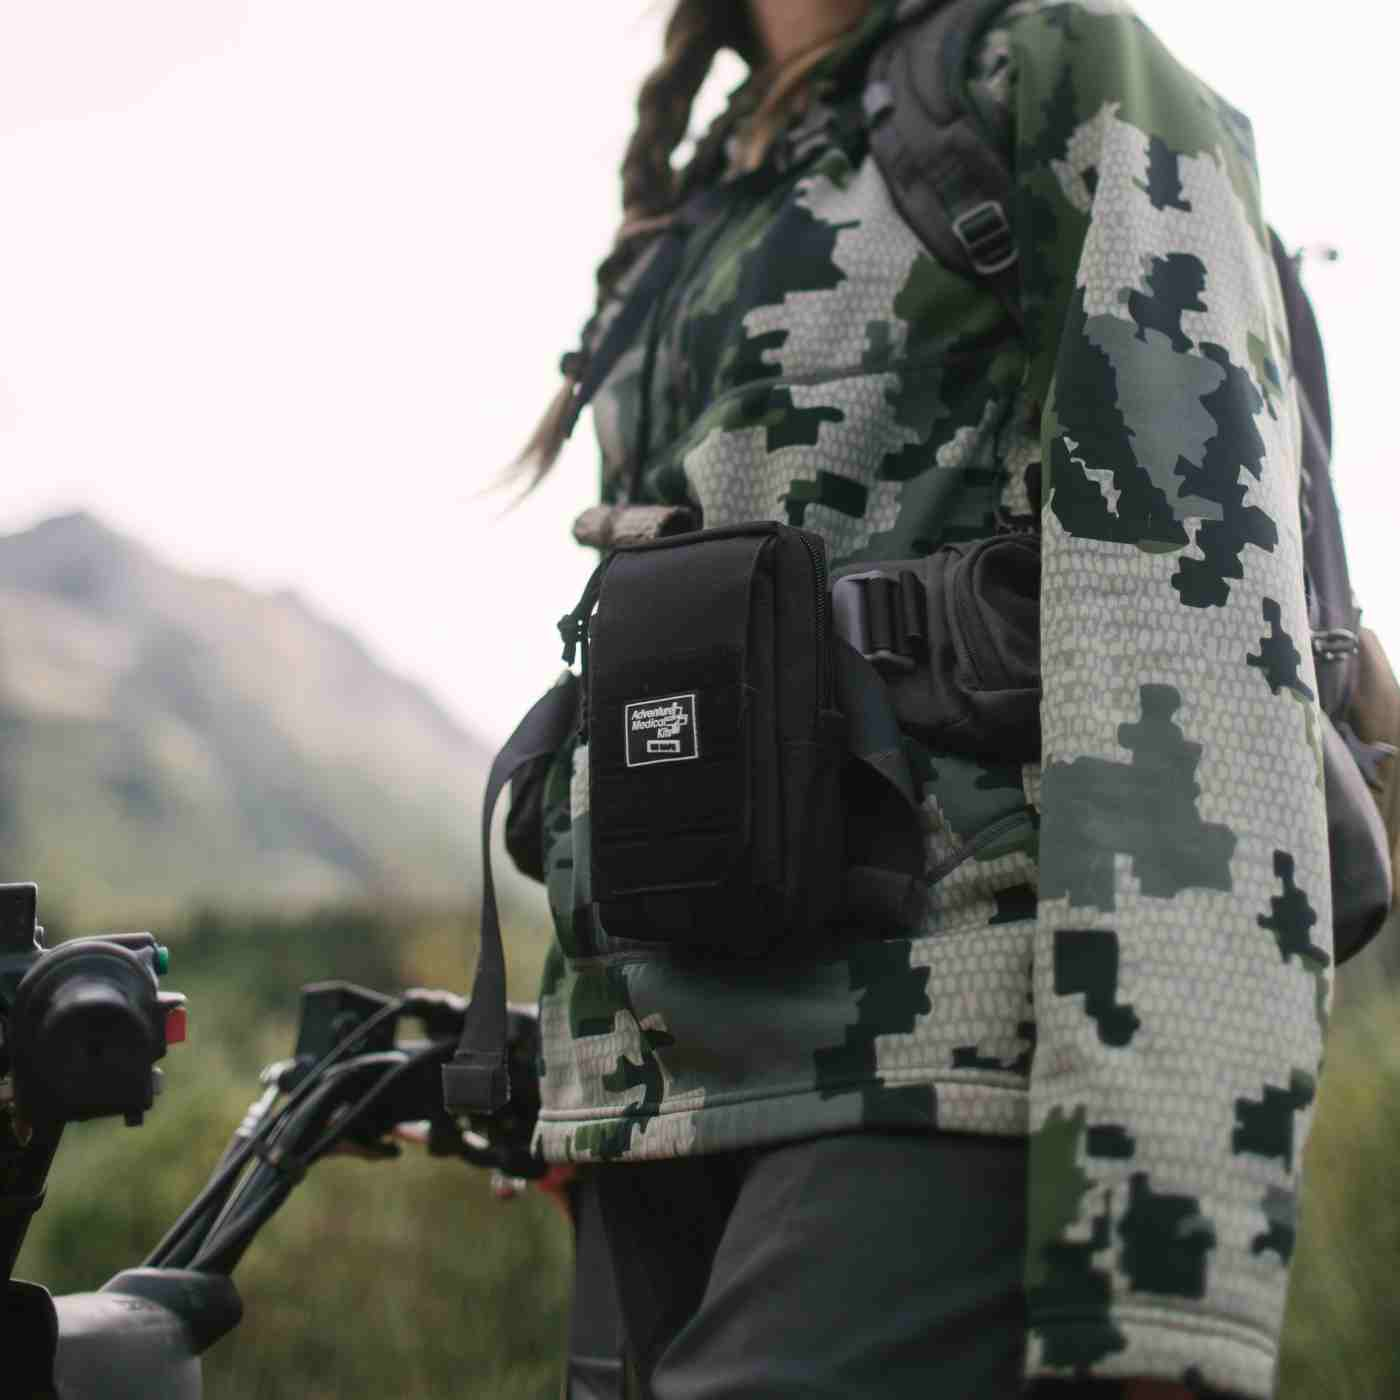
1335,644
882,616
985,234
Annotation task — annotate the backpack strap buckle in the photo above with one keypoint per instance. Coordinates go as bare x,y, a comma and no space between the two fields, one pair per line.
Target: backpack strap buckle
985,234
1335,643
883,616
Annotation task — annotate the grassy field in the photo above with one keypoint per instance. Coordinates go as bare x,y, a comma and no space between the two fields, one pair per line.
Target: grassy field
1342,1335
401,1278
405,1278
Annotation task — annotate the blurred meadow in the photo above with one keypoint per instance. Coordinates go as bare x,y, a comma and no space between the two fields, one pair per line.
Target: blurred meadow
401,1278
1342,1333
407,1278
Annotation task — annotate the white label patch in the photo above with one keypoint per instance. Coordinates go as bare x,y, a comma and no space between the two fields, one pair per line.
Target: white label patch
661,731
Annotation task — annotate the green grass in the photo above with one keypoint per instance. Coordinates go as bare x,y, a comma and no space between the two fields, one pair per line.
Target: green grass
401,1278
1342,1332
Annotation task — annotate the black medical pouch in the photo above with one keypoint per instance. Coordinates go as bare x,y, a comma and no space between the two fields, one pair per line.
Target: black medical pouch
714,744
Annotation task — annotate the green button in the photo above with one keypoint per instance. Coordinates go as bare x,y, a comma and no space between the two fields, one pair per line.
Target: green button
162,959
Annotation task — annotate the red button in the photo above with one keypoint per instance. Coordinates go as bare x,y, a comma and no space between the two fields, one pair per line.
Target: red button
177,1025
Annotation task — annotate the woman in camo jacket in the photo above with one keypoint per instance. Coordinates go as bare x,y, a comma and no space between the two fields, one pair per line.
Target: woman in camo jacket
1053,1132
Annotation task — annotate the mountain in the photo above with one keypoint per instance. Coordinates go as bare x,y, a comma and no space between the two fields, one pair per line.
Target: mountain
168,739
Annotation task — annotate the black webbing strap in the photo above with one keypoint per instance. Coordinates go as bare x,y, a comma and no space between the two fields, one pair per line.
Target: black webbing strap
477,1079
1332,611
884,879
656,277
945,168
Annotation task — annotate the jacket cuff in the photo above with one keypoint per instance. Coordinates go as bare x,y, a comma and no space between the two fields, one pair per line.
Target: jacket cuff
1210,1356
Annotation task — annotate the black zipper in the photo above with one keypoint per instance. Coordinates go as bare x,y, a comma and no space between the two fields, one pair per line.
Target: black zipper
573,630
573,626
816,551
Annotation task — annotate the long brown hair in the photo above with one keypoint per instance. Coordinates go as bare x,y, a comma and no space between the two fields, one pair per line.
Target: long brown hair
652,188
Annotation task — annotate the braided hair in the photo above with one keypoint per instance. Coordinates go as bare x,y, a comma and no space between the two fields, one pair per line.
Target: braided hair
695,33
652,188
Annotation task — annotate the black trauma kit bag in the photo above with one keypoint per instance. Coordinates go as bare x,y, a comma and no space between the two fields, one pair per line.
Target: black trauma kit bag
714,740
748,784
707,700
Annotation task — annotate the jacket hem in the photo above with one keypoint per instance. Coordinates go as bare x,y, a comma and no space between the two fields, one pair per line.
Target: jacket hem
893,1102
1234,1358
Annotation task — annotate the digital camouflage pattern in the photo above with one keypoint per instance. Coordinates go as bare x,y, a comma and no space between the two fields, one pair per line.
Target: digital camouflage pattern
1132,966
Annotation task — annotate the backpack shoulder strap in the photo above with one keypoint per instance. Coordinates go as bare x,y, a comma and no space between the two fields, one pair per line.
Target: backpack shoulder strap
946,173
1332,611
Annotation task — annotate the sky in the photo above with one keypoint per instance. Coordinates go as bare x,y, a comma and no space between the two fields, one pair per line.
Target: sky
284,285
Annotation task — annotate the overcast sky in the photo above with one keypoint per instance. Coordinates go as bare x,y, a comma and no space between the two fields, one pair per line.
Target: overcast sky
284,282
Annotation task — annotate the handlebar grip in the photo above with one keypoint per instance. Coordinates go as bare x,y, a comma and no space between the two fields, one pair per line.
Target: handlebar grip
142,1334
86,1029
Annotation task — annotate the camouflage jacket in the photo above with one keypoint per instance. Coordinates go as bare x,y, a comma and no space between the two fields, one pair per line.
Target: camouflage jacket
1133,967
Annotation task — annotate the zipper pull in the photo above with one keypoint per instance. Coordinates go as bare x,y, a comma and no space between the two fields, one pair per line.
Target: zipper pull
570,629
573,626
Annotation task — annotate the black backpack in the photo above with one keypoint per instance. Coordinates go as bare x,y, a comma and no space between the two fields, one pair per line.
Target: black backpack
947,177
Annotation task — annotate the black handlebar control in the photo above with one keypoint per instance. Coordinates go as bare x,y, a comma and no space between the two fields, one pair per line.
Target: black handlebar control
84,1023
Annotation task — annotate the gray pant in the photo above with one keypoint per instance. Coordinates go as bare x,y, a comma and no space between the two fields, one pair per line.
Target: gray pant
857,1265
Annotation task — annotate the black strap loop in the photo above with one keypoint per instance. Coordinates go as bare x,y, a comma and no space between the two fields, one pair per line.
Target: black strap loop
477,1080
914,609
